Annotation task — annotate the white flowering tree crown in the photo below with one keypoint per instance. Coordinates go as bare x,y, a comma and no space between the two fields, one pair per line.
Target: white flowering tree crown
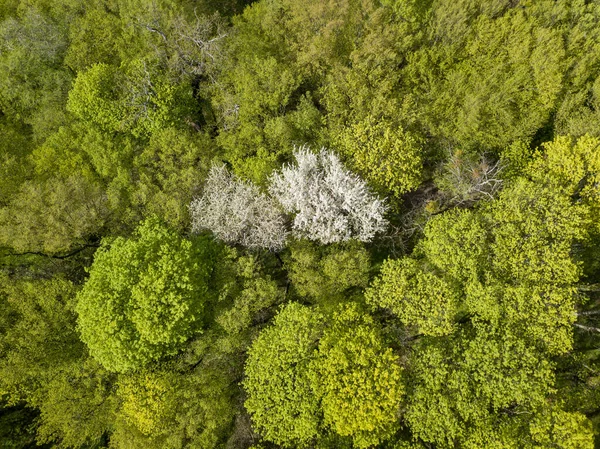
238,213
330,203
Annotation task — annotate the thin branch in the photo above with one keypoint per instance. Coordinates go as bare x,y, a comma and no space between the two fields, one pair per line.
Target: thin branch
154,30
53,256
589,312
587,328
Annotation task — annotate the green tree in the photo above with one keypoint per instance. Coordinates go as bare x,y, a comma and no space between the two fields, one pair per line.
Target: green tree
83,149
490,75
37,334
387,156
328,274
462,388
247,294
44,365
170,169
145,296
358,379
34,84
78,406
416,297
267,97
133,98
577,113
499,284
570,164
305,375
281,399
15,146
172,406
53,215
563,429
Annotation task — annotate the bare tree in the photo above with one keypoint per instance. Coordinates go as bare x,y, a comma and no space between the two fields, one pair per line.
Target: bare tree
238,213
465,179
331,203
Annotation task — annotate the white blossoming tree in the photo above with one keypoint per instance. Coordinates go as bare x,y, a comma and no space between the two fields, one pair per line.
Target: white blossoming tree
238,213
331,203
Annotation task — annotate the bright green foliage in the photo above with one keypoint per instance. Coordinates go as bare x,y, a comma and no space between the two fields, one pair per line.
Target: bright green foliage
129,99
458,244
458,385
534,230
515,160
145,296
416,296
358,379
558,428
303,376
95,97
387,156
281,399
506,370
571,164
169,408
509,270
146,399
513,264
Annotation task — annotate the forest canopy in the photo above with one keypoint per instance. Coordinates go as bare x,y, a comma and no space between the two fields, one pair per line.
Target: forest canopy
312,224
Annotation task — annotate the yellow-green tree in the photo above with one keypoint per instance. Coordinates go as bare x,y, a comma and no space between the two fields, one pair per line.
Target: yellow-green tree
145,296
281,400
358,379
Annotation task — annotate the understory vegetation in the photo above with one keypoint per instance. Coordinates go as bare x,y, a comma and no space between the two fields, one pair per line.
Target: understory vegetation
313,224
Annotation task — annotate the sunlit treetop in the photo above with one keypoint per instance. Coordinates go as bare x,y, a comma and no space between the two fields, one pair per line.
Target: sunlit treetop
145,296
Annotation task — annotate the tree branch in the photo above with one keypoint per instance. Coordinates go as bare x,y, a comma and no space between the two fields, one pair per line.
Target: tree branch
587,328
53,256
589,288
